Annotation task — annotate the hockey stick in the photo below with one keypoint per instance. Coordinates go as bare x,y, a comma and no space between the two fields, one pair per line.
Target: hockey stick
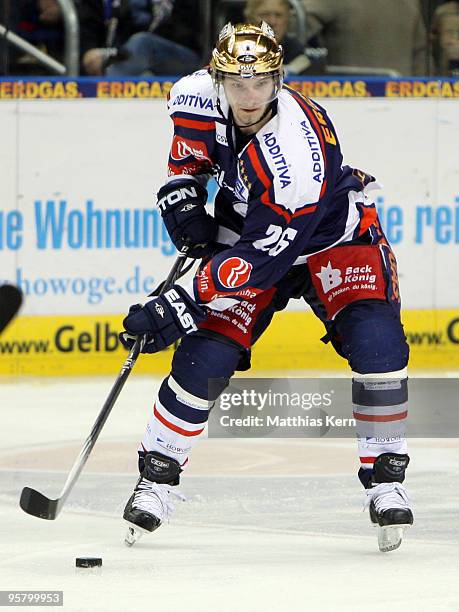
10,303
35,503
160,288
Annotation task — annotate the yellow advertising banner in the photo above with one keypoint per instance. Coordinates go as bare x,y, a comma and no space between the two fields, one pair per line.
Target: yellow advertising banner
88,345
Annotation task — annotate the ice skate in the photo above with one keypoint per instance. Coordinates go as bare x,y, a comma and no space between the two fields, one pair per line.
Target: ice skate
388,501
151,502
390,511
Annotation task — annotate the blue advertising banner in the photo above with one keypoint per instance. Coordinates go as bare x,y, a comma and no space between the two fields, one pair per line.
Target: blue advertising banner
49,88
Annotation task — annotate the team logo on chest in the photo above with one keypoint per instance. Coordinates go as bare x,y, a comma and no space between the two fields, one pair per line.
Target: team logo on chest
234,272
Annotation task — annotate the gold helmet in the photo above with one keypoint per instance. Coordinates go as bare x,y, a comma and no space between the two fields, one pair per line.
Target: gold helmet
246,50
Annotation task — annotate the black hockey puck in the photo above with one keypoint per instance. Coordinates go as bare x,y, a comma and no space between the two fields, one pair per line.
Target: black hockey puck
88,562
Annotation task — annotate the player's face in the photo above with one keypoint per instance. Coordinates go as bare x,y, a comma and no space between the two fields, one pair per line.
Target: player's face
248,97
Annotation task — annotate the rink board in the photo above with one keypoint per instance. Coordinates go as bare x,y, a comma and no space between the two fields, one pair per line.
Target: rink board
81,236
78,345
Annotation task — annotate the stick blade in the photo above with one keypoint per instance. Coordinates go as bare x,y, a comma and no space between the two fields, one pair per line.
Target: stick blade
10,303
35,503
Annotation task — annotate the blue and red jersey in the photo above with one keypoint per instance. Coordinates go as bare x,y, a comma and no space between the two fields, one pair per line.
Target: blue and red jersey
283,196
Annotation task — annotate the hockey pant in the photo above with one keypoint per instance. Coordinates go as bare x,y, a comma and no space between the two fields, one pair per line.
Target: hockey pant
366,331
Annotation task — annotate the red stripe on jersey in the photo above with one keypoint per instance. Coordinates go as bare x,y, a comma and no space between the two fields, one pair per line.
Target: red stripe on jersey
305,211
313,119
277,209
173,168
195,167
261,174
194,124
170,425
256,163
367,459
368,218
324,187
381,418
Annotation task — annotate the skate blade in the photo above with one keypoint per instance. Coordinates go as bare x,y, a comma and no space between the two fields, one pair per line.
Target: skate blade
390,536
133,534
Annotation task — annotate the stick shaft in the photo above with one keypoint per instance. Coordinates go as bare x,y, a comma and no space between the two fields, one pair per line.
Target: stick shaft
37,504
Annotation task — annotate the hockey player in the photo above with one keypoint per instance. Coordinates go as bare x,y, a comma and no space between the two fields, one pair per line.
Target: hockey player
289,221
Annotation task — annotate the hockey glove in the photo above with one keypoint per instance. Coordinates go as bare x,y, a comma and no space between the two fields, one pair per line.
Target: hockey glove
182,205
162,320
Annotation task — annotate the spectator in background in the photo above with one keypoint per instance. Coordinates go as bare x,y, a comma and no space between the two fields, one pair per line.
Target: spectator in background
120,38
39,22
428,8
297,58
445,36
378,34
49,12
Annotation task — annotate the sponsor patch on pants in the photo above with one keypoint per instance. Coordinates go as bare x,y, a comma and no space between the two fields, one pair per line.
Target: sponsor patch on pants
344,274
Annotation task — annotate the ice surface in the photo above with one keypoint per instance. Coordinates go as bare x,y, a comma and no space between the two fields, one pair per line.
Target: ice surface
268,524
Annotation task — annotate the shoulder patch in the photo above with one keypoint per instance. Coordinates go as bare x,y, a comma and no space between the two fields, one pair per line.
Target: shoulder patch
193,94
